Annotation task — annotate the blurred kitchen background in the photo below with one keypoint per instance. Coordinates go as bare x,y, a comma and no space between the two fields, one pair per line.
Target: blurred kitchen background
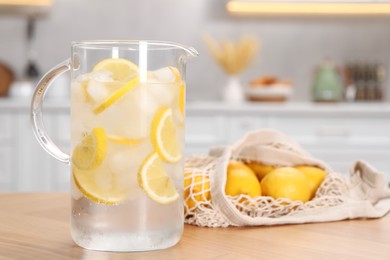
320,77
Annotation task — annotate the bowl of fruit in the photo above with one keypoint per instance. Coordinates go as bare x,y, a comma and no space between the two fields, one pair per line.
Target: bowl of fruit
269,89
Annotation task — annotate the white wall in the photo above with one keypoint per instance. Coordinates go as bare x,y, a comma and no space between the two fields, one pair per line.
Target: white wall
291,46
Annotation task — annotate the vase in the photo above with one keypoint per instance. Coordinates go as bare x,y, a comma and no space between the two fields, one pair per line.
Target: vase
233,91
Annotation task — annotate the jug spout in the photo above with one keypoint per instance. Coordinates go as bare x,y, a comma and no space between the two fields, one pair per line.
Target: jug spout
191,52
188,52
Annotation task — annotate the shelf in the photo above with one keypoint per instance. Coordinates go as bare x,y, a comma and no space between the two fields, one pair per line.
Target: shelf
25,7
308,7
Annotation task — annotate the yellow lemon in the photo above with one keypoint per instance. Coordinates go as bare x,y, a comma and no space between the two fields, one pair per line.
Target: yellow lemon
88,97
90,153
165,75
155,182
182,98
100,185
116,95
175,72
286,182
315,176
196,189
120,69
182,88
241,179
164,137
260,169
124,140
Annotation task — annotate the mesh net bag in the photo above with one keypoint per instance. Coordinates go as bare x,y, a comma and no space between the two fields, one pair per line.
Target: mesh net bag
364,194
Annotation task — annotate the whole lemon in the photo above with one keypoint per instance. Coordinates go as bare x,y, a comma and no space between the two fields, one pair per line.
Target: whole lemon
241,179
196,188
315,176
286,182
260,169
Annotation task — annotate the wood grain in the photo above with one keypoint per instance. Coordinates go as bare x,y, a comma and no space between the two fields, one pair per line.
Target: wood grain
36,226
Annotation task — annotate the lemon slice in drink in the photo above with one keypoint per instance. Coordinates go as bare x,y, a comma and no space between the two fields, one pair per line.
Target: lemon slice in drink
165,75
155,182
116,95
182,98
124,140
176,73
121,69
88,97
100,186
90,153
164,137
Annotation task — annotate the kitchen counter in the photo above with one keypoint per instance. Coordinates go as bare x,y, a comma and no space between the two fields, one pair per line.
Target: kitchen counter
36,226
292,108
218,107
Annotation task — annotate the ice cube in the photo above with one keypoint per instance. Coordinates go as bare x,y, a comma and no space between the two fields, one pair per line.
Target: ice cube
163,85
97,90
83,78
163,94
103,178
130,116
163,75
128,159
77,91
119,162
125,175
146,104
82,117
101,85
102,76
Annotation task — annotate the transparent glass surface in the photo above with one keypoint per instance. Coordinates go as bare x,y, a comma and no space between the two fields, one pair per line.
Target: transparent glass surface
127,142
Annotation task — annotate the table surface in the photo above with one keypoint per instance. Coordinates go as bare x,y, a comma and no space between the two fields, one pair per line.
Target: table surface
36,226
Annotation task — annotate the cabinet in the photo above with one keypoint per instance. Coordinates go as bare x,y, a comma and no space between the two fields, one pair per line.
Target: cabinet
24,165
337,134
8,166
340,141
203,131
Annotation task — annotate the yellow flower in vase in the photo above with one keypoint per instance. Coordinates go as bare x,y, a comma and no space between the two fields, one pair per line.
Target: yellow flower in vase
234,58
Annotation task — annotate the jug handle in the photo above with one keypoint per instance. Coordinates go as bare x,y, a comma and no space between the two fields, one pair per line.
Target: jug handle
36,112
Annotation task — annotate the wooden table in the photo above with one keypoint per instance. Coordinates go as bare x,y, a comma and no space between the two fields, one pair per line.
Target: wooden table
36,226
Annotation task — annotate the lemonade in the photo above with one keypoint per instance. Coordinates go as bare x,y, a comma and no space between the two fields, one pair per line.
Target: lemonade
127,157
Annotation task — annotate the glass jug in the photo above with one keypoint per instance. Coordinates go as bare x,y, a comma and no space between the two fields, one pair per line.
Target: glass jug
127,141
